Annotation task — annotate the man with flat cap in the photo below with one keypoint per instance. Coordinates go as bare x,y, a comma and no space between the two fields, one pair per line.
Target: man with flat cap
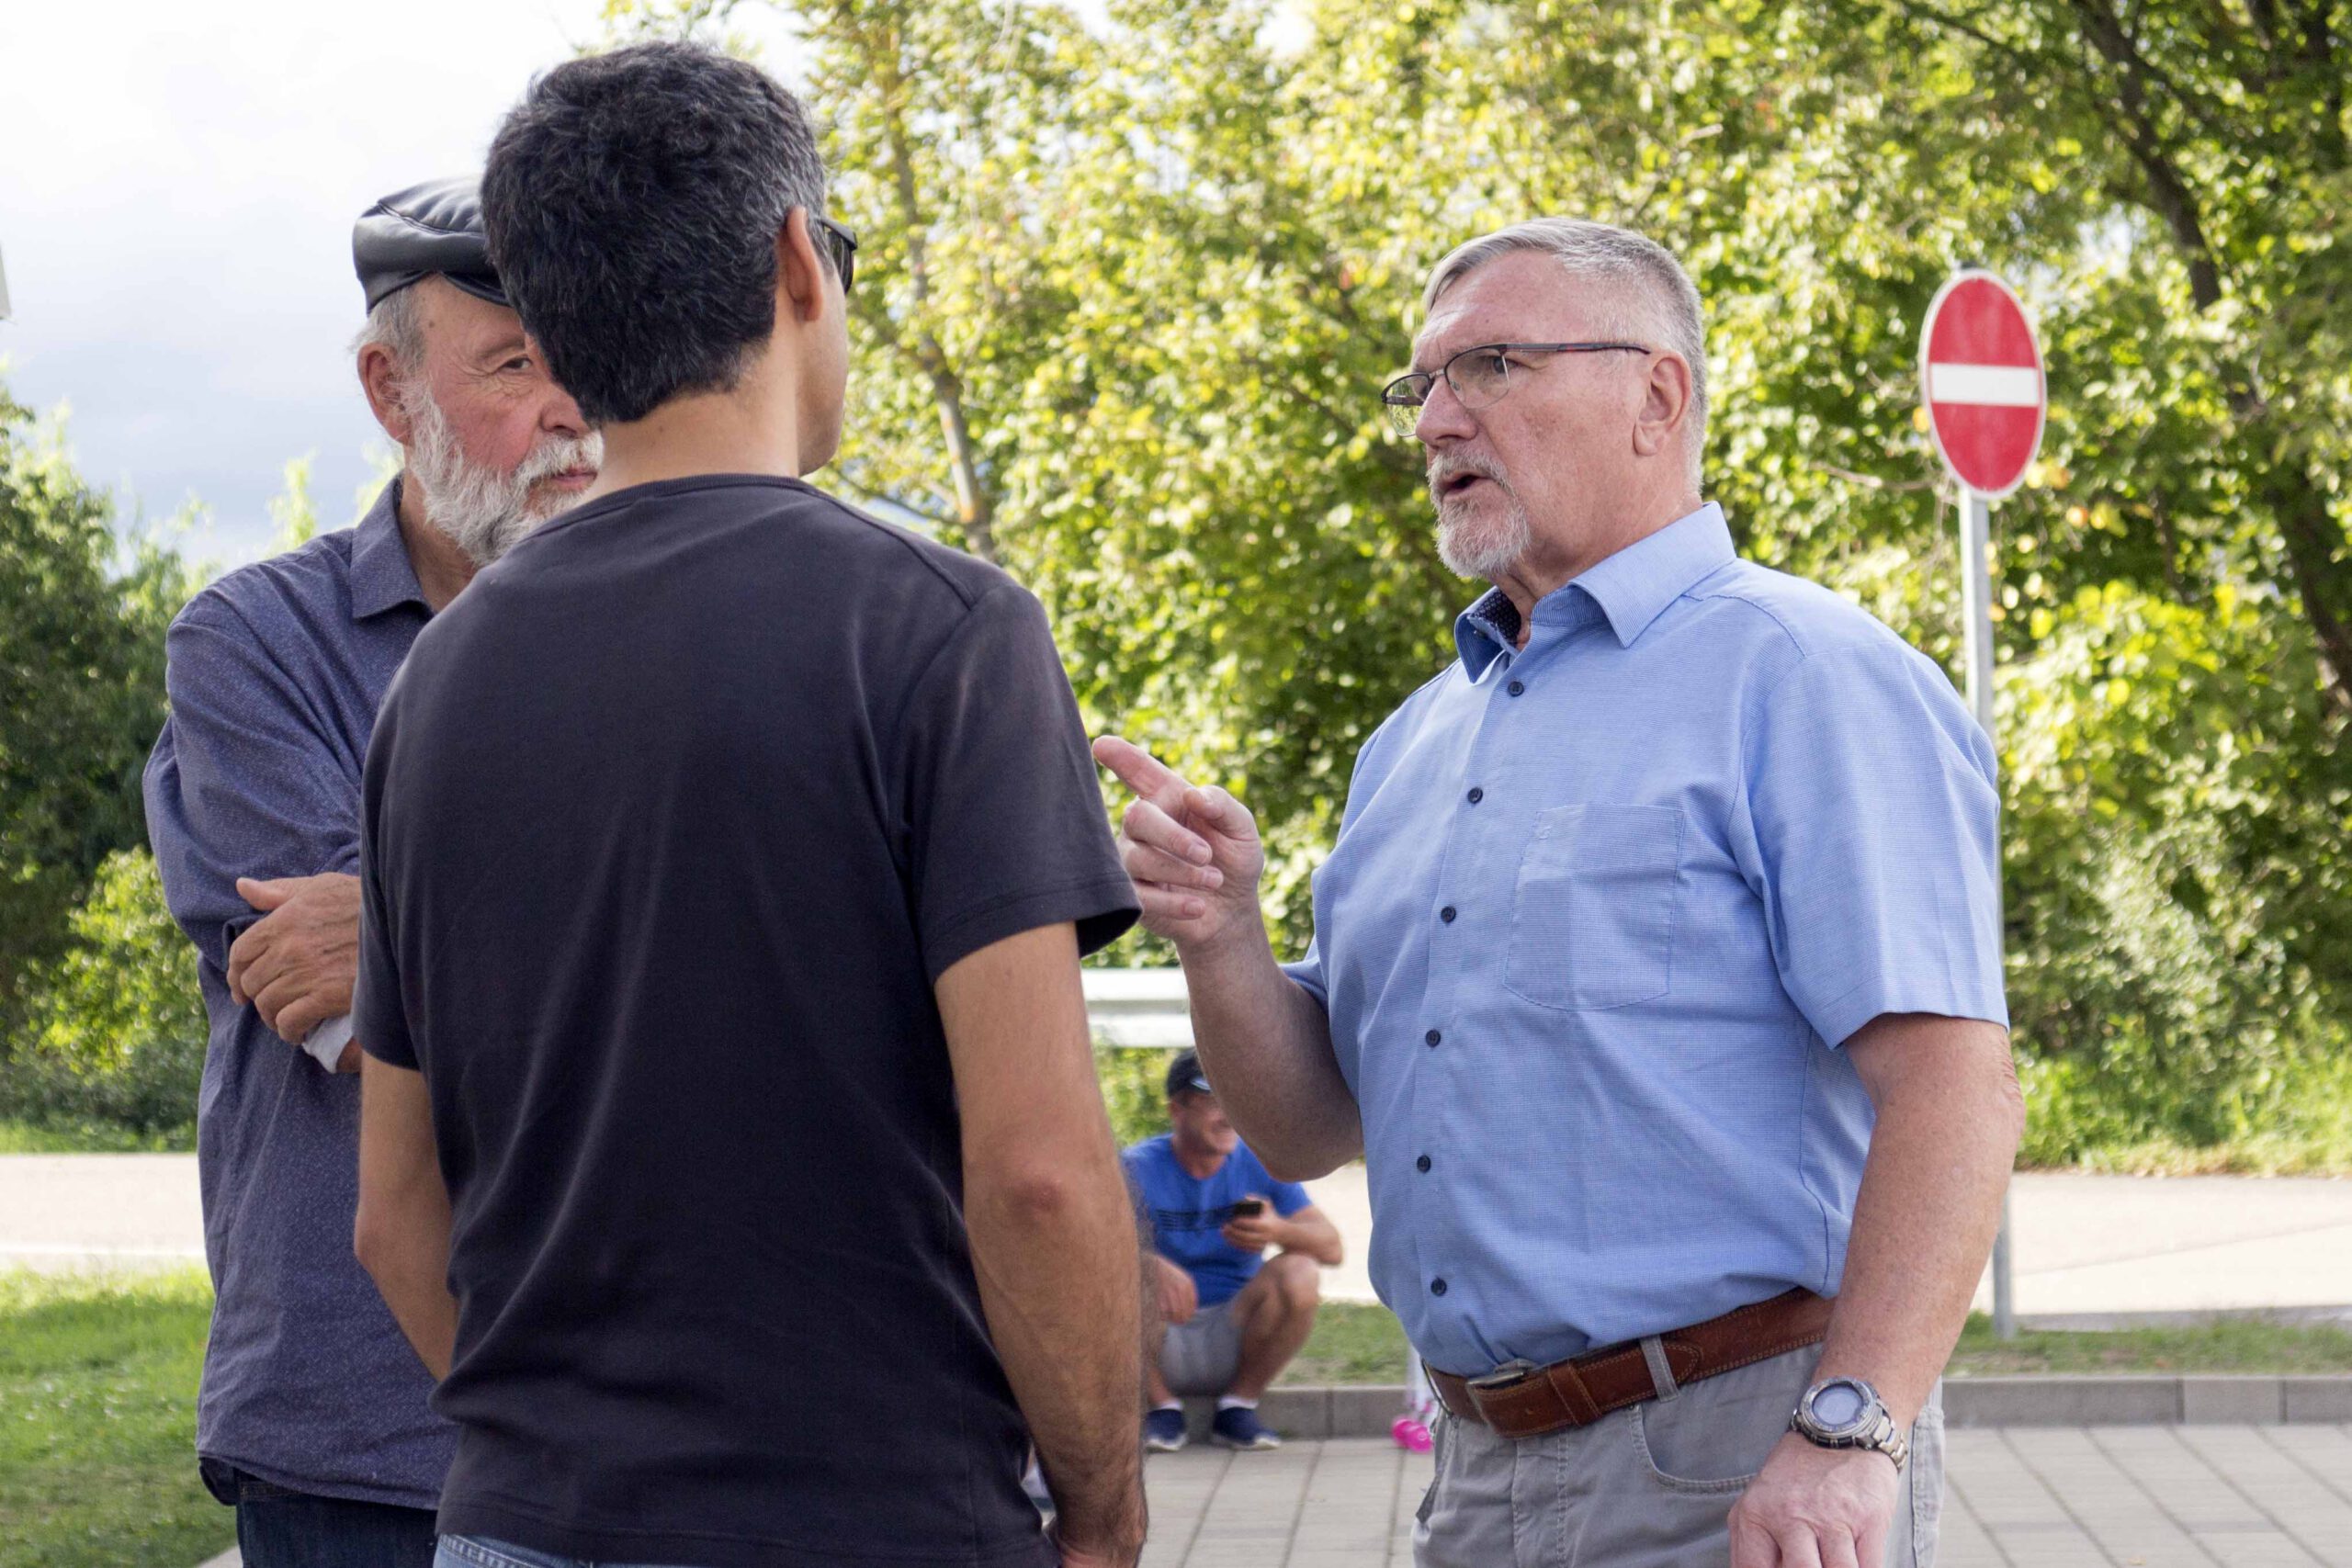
312,1419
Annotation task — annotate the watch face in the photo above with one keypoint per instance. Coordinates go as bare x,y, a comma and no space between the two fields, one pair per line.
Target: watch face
1837,1405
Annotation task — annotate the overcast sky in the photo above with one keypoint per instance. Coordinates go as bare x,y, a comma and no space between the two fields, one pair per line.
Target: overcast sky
177,185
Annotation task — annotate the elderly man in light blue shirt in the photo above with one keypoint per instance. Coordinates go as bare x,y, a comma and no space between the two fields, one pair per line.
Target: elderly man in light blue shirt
1656,974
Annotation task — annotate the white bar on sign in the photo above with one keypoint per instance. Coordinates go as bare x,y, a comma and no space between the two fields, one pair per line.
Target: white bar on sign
1999,385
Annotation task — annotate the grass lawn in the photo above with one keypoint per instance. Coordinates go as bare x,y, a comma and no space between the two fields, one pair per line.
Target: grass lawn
98,1423
1364,1343
24,1138
2220,1344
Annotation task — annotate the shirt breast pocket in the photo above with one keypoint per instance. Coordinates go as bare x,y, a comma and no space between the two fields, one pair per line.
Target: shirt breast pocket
1592,918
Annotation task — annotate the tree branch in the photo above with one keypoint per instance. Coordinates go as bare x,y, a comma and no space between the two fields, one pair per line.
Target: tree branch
2168,192
1869,481
2322,578
975,503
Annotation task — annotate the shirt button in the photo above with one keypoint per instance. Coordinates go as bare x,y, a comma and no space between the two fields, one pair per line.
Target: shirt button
1422,1163
1446,914
1437,1287
1516,687
1433,1037
1477,794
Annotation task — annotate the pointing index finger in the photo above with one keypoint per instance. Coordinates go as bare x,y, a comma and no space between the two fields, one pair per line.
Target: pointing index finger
1141,771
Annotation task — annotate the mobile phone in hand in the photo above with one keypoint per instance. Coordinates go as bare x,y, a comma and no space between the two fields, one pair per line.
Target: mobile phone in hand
1248,1208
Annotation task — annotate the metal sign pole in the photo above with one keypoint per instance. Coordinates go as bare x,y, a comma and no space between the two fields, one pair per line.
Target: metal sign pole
1976,606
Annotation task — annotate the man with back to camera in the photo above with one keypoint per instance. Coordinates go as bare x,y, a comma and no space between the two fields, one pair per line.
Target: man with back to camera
732,1147
1657,973
1233,1318
312,1420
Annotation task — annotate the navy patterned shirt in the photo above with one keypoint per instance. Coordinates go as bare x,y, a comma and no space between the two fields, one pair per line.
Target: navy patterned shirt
275,674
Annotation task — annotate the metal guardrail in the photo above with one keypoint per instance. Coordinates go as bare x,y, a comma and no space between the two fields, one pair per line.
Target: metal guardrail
1139,1008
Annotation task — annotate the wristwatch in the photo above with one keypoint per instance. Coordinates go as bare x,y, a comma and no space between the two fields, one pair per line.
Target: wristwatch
1847,1413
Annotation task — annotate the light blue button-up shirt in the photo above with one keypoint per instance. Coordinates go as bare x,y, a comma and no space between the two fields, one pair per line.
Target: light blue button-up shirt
1599,912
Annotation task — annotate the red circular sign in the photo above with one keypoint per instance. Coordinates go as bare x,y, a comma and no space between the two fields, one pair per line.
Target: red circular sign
1980,373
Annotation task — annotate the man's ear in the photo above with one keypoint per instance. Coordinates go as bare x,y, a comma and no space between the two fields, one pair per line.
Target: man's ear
800,273
1665,400
379,377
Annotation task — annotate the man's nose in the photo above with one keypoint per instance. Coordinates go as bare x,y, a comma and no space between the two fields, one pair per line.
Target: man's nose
1443,418
561,415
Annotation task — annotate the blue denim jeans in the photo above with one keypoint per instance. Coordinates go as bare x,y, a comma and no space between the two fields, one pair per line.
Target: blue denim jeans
279,1528
475,1552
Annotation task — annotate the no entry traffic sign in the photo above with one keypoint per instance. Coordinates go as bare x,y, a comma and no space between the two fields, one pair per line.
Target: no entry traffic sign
1980,373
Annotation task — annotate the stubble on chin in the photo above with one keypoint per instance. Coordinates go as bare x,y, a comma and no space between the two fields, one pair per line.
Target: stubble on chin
1481,546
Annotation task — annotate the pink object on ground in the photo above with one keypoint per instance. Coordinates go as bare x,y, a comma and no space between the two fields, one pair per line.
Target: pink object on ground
1411,1434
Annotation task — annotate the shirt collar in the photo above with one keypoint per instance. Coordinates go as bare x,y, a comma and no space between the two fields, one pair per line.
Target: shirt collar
382,575
1632,587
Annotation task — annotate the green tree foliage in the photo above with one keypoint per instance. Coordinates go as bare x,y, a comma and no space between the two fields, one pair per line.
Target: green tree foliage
1130,287
81,689
115,1025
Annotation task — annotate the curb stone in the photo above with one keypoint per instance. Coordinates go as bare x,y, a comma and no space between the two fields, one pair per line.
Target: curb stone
1366,1410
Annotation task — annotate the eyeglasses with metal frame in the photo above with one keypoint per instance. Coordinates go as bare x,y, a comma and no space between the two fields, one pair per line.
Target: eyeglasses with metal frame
1480,377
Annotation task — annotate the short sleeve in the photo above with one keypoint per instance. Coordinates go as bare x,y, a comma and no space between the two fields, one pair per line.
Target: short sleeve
1005,825
379,1013
1289,1198
1875,821
1306,974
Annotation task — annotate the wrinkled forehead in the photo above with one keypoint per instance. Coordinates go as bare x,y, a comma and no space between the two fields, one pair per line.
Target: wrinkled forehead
1525,297
457,323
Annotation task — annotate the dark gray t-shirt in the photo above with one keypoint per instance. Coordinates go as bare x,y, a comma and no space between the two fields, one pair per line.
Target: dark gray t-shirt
668,826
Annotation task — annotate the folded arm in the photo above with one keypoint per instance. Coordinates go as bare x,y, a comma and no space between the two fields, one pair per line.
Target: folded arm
245,785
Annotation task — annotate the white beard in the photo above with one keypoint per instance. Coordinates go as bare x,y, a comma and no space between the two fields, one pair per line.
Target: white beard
483,511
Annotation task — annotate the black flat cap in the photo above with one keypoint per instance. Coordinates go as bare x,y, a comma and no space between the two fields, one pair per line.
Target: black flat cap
434,227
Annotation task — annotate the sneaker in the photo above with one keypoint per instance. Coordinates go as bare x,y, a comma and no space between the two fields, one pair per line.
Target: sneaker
1238,1428
1163,1431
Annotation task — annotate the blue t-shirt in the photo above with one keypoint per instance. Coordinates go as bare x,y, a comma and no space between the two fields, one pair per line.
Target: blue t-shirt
1188,1211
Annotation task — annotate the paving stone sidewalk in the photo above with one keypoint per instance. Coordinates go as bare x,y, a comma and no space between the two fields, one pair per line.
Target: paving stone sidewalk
2015,1498
2044,1497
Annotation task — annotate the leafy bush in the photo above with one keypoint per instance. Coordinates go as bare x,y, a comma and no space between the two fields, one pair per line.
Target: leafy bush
1135,1088
81,688
115,1027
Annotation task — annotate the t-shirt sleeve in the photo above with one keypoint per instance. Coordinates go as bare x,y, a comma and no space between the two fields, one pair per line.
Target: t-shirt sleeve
379,1013
1005,825
1306,974
1289,1198
1876,840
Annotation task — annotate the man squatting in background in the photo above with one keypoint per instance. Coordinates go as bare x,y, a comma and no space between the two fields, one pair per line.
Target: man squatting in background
1231,1318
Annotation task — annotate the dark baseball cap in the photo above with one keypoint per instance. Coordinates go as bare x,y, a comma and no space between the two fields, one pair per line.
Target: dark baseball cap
1185,1076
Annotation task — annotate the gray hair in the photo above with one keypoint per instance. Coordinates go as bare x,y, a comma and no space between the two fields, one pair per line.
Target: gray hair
1654,298
396,325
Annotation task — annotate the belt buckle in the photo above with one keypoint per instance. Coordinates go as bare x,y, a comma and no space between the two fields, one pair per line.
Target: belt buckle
1508,1375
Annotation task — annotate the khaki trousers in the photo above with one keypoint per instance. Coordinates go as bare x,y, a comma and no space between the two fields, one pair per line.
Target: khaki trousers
1648,1487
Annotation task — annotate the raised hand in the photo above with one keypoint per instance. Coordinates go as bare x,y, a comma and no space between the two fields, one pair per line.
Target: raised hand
1193,854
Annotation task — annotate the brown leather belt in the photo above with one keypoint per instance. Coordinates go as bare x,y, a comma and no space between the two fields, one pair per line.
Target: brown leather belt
1521,1401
